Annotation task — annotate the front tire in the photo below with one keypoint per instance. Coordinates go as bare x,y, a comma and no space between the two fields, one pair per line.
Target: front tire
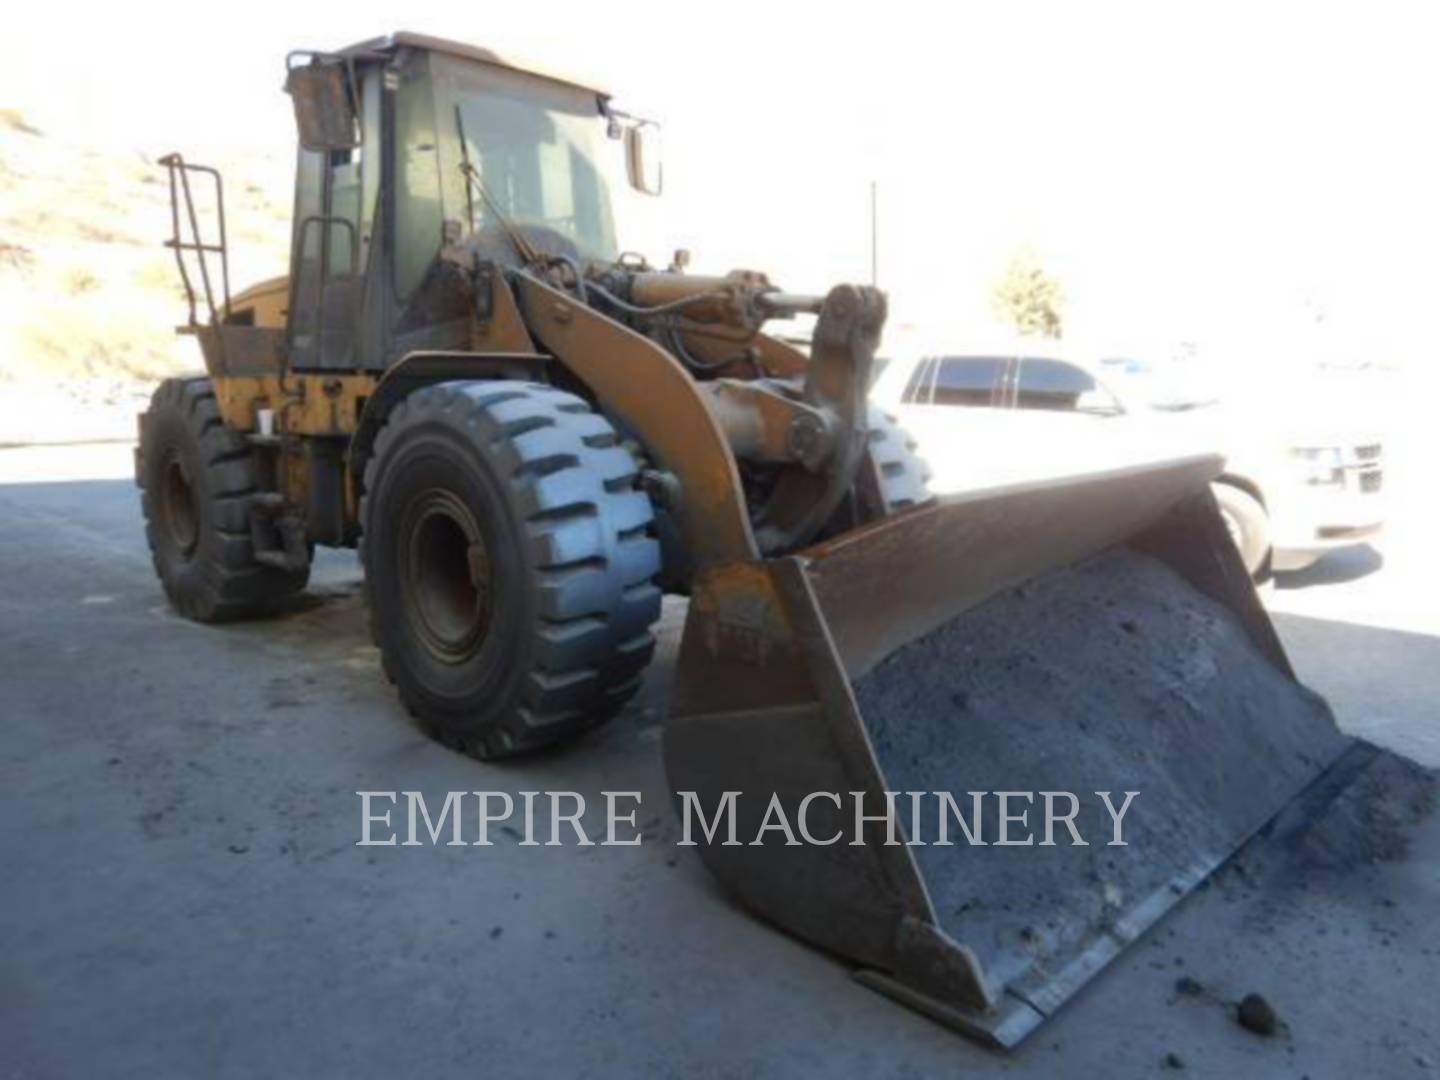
902,478
196,480
509,564
892,477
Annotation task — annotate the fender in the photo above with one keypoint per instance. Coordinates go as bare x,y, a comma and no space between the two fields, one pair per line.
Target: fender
649,391
419,369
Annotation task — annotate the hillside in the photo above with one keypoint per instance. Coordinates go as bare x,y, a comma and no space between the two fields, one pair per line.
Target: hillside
89,297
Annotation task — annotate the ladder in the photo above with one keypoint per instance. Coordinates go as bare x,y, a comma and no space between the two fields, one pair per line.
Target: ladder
180,171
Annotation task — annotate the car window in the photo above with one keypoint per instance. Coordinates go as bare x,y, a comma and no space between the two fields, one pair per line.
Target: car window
1056,386
917,387
967,380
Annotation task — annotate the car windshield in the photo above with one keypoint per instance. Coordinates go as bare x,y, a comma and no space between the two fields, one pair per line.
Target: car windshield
1165,386
535,145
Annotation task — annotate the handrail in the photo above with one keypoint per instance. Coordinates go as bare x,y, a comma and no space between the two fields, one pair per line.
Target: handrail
179,172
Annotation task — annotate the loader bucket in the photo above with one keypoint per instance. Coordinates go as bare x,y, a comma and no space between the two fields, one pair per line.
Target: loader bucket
1096,634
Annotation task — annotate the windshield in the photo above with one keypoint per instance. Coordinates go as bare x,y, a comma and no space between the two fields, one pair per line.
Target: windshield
535,145
1166,386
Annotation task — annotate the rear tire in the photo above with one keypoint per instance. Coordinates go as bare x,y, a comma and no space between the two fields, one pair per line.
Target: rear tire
1248,524
196,478
509,565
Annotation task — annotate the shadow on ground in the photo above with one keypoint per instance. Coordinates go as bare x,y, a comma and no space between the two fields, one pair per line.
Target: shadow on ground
1334,568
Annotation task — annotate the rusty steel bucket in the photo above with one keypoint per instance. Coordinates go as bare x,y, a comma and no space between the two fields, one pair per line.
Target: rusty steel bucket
1093,634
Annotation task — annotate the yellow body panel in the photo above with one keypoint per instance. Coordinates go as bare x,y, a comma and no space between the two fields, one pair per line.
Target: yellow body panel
267,303
310,404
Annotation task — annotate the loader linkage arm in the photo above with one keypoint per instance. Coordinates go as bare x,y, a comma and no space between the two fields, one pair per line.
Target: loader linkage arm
815,421
621,332
828,431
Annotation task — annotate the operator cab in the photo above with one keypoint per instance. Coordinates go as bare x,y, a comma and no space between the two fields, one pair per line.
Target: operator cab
408,144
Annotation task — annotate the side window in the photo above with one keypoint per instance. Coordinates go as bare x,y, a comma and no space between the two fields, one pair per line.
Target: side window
968,380
355,185
306,245
419,218
345,169
1056,386
370,175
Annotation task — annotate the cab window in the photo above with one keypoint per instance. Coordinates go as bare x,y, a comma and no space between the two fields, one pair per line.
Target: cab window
419,216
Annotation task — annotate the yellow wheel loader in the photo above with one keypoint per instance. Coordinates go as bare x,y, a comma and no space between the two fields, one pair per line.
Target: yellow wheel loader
530,434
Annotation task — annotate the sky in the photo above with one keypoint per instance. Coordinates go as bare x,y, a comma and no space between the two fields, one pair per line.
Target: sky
1258,178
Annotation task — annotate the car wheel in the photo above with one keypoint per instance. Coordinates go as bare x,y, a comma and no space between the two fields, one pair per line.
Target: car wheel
1248,525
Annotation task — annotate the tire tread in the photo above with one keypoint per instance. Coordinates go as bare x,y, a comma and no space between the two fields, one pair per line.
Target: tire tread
228,583
584,523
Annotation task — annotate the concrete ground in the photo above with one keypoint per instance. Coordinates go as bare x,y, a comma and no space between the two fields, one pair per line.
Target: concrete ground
182,894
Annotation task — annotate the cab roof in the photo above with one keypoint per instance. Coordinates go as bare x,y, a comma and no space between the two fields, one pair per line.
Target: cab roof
404,39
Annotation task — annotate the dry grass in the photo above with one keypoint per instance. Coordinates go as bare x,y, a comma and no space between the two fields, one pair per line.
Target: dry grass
16,257
158,276
79,280
104,234
88,296
88,339
14,120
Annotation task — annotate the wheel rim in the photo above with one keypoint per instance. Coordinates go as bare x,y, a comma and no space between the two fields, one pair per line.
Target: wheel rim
180,509
446,574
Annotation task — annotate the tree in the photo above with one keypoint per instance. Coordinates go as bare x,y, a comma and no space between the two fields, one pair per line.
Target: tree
1028,297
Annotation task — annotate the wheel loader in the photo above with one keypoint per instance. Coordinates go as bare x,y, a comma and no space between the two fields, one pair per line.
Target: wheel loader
531,433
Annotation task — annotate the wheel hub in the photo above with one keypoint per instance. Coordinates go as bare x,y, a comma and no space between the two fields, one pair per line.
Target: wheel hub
180,509
447,576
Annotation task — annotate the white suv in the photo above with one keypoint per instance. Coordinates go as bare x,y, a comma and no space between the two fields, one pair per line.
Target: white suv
1000,416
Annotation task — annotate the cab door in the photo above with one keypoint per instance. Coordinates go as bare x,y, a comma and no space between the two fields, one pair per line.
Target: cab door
335,197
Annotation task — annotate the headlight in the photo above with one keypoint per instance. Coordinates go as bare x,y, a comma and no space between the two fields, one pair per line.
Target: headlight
1318,464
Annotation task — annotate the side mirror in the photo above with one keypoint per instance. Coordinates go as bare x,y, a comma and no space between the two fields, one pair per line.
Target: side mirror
323,91
642,157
